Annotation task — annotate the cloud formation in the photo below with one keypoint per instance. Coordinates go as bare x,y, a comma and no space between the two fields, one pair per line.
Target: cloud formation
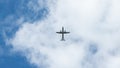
92,43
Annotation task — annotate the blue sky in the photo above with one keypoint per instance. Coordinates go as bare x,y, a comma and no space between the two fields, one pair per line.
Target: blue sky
28,36
10,12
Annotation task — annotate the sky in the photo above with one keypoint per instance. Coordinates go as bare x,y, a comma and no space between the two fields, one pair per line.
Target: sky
28,36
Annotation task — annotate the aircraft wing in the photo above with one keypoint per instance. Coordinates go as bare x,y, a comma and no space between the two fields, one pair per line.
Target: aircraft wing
66,32
59,32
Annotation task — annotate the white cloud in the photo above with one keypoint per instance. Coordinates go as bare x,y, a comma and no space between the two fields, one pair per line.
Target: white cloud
89,21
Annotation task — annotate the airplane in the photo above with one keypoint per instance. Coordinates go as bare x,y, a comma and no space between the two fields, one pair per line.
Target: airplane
63,32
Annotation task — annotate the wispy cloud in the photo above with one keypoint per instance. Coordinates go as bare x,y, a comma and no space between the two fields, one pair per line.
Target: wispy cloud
92,43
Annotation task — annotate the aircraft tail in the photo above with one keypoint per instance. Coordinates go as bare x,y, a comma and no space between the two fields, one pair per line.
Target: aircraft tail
62,39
